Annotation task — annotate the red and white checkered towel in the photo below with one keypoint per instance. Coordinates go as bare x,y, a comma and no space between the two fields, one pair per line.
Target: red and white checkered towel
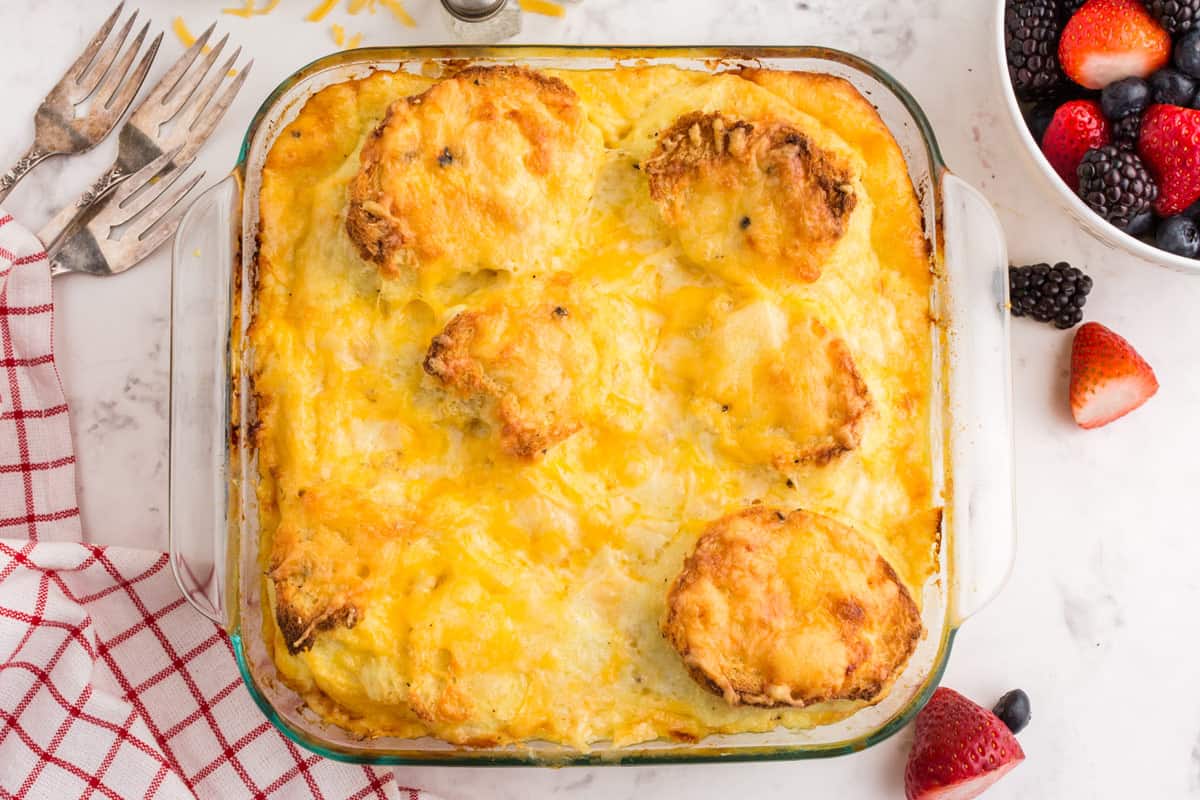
111,686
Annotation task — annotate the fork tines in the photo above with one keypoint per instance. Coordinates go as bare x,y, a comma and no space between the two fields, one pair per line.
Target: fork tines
105,74
184,97
96,64
146,208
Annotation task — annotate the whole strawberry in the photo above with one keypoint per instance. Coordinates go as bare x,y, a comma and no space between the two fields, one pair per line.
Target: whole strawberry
1107,40
1108,377
1075,128
1170,145
959,750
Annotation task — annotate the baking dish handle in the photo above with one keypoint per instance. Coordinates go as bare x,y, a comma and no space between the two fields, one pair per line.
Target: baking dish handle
202,272
980,445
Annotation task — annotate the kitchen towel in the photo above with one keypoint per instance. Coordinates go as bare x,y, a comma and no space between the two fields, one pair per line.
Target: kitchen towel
111,686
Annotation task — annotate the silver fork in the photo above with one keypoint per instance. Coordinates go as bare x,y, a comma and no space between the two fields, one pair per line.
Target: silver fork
112,87
179,100
145,210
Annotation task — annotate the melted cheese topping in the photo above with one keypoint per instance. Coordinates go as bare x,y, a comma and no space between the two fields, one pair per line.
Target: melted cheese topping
423,579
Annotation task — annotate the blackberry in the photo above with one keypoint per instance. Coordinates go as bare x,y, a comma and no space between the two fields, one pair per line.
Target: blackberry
1049,294
1031,29
1125,131
1177,16
1116,184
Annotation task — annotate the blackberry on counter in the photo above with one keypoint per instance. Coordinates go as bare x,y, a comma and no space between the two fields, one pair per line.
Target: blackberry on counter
1116,184
1049,294
1125,131
1177,16
1069,7
1031,29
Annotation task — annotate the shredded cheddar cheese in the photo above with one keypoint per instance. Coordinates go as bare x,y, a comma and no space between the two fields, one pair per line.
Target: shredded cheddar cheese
399,12
245,11
181,30
250,10
354,41
318,13
543,7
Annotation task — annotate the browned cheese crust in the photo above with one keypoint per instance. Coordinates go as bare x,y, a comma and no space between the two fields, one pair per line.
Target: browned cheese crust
522,369
488,169
763,194
790,609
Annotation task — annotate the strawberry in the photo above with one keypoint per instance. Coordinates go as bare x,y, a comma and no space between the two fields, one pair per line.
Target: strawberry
1107,40
1108,378
1170,145
1075,128
959,750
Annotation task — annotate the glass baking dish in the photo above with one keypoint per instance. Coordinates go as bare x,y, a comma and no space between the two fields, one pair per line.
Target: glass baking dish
213,510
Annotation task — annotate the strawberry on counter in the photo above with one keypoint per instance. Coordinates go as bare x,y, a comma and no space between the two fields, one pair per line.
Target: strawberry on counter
959,750
1108,377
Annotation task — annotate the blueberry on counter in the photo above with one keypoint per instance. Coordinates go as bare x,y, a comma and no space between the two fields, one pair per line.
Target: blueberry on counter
1124,97
1013,710
1179,235
1187,54
1172,87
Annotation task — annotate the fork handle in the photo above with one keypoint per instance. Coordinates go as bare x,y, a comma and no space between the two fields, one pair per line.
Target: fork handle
25,164
67,215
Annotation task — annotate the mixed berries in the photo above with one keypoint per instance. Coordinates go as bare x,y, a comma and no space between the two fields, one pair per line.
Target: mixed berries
1108,377
1115,104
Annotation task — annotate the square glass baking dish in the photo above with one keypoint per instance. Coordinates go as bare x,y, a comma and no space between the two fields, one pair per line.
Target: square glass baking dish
213,515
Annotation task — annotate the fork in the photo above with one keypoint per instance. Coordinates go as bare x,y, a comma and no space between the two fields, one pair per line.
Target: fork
178,115
59,130
143,208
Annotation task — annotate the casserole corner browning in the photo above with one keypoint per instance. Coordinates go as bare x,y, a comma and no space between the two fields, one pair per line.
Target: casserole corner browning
525,343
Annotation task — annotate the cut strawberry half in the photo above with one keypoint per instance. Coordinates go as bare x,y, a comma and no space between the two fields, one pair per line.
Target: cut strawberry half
1107,40
1108,377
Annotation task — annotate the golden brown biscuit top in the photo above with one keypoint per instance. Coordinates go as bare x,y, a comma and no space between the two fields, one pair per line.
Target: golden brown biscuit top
488,169
791,609
525,367
758,198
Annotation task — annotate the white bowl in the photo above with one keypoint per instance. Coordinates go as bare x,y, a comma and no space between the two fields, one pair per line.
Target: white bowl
1090,221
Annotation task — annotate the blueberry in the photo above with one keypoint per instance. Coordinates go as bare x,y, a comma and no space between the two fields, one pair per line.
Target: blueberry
1126,96
1172,87
1013,710
1187,54
1039,119
1141,224
1193,211
1179,235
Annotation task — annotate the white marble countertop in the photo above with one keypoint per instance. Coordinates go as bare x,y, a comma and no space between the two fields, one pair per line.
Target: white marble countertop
1096,620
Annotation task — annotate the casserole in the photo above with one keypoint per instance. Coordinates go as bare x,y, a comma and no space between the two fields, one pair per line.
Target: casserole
1089,220
214,521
